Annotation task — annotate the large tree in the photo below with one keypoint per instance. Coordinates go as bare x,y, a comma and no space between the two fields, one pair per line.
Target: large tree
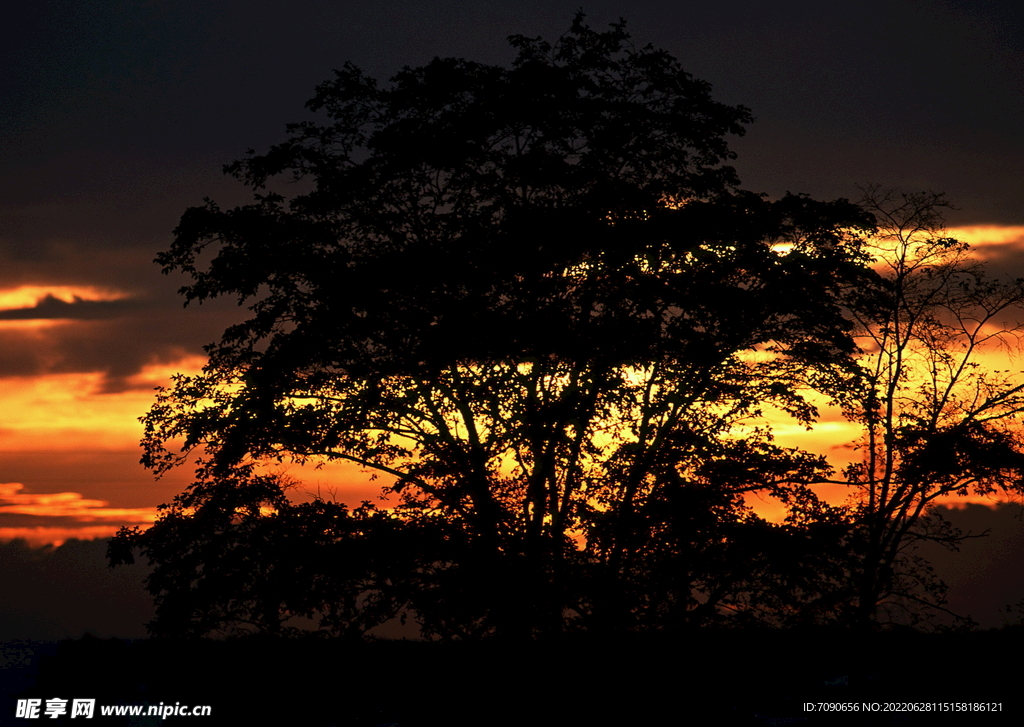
535,301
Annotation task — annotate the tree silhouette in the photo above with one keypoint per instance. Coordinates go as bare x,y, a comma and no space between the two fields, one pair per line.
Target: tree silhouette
535,301
936,422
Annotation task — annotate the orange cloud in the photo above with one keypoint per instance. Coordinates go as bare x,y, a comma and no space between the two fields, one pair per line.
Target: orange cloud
27,296
69,505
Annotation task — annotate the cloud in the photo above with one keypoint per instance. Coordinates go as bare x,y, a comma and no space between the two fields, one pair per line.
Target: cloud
71,505
71,306
51,307
103,467
984,574
29,296
1000,247
120,337
61,592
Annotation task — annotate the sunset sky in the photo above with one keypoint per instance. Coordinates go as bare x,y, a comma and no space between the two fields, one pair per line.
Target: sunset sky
116,115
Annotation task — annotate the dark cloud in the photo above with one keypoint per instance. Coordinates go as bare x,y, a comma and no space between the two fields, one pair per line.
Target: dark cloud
58,593
116,338
1004,261
124,111
118,115
19,354
984,576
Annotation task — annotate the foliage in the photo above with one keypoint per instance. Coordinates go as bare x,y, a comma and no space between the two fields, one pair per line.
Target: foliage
535,301
936,421
239,558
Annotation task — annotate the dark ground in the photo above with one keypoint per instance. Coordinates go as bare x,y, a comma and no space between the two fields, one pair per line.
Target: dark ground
707,678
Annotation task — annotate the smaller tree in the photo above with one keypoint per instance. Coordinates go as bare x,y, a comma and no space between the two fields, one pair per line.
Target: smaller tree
936,421
235,556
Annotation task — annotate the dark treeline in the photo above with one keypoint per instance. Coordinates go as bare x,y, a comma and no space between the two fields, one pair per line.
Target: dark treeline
537,304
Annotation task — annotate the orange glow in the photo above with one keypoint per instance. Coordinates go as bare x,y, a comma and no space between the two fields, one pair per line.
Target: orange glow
28,296
32,324
836,438
344,482
64,411
980,237
51,421
53,418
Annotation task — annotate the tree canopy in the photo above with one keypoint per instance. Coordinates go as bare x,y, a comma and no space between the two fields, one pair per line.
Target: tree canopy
535,301
938,420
